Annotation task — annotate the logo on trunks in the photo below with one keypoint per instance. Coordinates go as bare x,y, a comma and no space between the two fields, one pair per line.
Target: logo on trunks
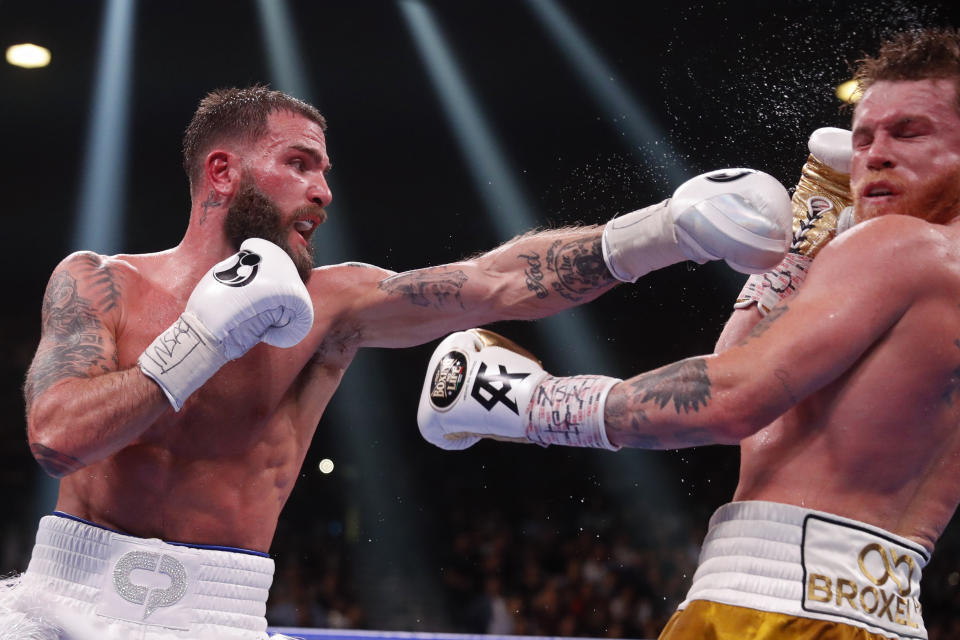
724,176
242,271
140,594
495,395
448,379
878,565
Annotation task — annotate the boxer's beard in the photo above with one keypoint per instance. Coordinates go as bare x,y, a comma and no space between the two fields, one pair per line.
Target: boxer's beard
936,201
254,215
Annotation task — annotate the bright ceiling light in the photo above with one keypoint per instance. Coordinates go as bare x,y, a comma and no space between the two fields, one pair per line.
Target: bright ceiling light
28,56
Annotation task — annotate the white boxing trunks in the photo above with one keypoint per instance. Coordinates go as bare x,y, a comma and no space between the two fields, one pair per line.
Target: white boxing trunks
85,582
806,569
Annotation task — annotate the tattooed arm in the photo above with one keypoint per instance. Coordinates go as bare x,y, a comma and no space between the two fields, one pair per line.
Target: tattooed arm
854,296
80,407
529,277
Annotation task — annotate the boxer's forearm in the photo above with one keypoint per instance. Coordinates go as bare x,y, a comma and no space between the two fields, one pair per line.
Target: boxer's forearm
543,273
529,277
83,420
697,401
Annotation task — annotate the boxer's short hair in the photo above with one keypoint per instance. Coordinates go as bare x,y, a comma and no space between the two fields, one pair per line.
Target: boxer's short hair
917,54
234,113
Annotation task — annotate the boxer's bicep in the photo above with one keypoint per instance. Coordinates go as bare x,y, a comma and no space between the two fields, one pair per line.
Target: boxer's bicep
77,327
854,294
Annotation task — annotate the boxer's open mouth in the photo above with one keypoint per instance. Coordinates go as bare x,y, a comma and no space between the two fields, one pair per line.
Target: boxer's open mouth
878,190
306,226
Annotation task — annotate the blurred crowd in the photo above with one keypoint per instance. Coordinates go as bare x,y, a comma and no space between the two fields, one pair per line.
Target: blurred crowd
580,569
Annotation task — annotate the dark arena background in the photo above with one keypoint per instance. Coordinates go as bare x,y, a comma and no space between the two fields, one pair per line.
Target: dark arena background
453,125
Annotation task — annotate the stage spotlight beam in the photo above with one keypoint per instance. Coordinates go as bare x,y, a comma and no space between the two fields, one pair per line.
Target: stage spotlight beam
489,167
99,224
492,175
641,132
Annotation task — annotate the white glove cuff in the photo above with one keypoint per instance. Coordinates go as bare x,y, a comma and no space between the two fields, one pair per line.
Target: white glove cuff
182,358
767,289
569,411
639,242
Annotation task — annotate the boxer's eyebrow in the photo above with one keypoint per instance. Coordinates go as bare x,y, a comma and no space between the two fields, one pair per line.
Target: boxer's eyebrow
314,155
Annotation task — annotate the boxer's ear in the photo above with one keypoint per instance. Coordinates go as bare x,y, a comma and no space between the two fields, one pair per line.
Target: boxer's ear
222,170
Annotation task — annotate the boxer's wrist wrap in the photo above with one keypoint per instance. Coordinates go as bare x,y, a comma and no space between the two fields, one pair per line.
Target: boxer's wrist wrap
182,358
639,242
569,411
767,289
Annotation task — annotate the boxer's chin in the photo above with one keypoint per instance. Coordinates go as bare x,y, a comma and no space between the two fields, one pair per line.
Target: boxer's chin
252,214
302,260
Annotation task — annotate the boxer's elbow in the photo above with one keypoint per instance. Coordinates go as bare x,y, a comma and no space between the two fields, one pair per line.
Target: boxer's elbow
49,439
735,423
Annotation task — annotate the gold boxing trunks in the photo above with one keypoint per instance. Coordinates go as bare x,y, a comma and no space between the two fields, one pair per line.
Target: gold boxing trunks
770,570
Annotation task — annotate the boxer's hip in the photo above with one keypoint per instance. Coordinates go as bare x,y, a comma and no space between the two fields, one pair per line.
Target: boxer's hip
93,580
785,559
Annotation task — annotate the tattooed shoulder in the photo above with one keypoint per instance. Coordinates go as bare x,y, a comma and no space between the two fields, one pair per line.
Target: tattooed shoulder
99,276
75,342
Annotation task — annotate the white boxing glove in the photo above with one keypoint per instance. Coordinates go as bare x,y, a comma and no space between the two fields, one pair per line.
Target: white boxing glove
481,385
255,295
821,211
738,215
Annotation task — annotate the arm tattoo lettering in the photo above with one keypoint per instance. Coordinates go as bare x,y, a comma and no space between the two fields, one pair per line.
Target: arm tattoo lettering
579,267
534,274
72,343
686,383
211,202
427,287
54,463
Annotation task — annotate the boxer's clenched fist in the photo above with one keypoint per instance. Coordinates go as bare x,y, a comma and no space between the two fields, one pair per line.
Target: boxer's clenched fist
481,385
255,295
738,215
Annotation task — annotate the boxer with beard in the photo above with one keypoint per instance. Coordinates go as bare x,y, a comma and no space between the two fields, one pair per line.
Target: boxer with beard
253,215
175,393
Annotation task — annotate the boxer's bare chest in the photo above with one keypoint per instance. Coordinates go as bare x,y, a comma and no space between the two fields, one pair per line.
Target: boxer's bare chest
248,400
880,443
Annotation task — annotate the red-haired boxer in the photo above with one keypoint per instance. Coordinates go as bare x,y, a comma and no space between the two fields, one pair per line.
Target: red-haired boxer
844,399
